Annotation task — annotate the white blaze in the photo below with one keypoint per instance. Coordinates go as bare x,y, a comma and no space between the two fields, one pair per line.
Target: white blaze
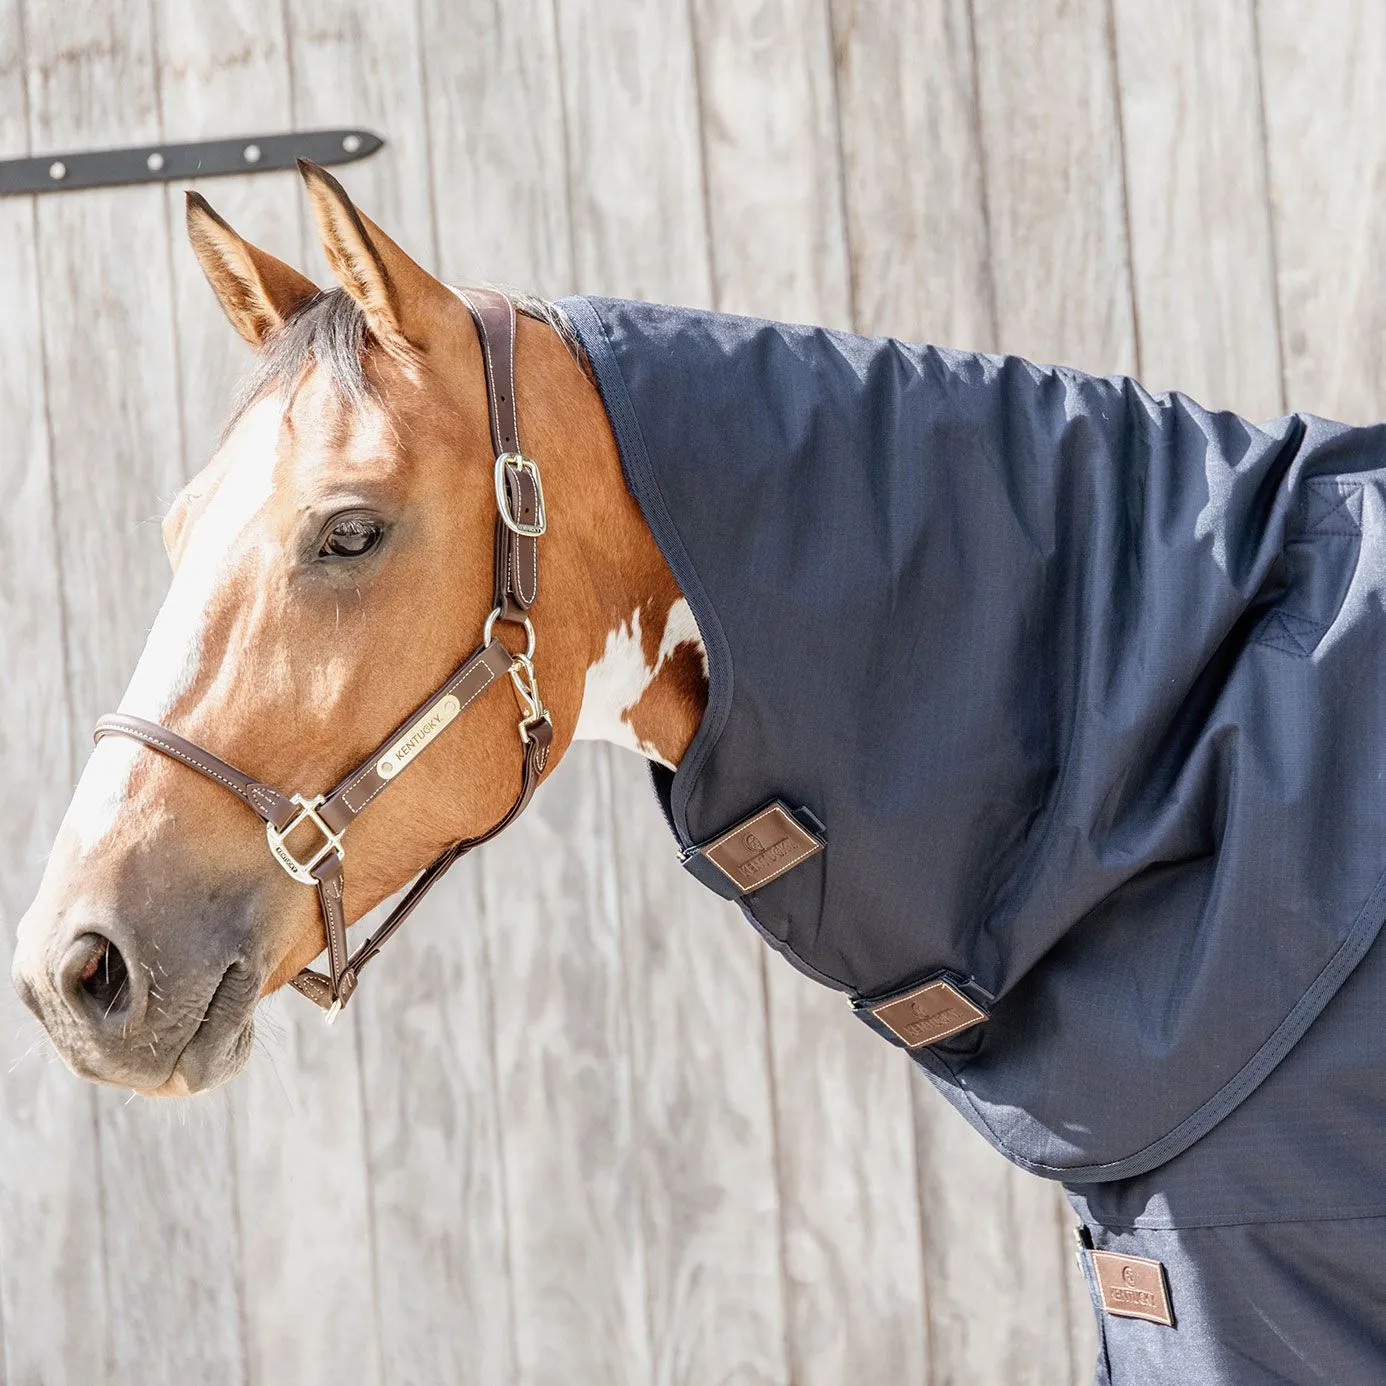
169,664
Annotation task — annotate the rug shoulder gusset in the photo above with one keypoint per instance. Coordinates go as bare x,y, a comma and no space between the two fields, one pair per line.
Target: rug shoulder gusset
1036,1140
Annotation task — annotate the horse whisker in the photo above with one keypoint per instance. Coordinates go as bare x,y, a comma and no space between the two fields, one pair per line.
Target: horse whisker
118,992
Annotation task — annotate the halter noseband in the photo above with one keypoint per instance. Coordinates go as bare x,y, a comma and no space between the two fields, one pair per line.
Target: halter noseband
520,522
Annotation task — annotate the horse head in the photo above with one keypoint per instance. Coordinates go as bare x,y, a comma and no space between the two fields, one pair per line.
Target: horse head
331,566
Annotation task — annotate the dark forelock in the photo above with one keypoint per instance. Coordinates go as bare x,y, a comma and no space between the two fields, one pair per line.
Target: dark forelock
329,331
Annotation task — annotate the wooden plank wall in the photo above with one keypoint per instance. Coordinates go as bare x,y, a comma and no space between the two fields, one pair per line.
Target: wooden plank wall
580,1128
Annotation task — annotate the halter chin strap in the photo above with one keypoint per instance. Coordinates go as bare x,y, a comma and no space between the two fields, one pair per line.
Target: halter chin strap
520,521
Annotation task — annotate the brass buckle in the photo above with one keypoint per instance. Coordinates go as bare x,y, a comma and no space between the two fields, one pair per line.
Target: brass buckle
521,463
307,813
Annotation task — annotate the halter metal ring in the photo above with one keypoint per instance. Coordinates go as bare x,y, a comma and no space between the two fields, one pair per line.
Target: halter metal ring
307,813
489,629
521,463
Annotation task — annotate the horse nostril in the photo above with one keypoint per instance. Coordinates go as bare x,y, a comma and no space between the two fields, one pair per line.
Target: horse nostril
100,974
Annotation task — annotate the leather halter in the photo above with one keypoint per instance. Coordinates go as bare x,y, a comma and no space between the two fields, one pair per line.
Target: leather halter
520,521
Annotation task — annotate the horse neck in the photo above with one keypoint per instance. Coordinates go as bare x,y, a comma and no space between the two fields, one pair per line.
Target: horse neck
634,665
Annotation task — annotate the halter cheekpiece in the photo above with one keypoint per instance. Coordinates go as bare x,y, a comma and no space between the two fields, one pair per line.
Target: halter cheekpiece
520,521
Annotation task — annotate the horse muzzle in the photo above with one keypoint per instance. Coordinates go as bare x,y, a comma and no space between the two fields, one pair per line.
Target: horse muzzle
167,1012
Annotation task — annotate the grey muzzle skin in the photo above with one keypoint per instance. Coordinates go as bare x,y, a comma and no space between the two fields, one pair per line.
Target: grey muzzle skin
149,988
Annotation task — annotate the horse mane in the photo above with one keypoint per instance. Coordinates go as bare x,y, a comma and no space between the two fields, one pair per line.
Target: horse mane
329,331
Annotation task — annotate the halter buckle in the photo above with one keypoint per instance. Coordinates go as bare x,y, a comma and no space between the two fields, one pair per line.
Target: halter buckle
521,463
307,813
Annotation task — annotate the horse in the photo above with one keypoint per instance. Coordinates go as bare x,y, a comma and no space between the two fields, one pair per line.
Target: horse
1023,707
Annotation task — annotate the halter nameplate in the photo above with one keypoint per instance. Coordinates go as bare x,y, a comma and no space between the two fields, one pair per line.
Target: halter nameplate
417,737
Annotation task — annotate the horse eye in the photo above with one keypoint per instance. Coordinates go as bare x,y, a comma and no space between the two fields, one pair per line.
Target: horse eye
353,537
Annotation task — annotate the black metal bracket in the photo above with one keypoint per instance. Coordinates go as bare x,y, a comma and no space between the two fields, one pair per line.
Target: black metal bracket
158,163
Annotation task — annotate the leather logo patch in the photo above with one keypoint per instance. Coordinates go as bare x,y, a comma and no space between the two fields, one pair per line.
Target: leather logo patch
1132,1287
934,1012
765,846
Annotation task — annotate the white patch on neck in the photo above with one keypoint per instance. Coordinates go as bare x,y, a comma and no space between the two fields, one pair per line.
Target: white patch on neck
614,684
173,651
617,681
681,629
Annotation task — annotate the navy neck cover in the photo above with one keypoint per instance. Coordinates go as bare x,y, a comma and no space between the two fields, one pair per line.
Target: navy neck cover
1084,684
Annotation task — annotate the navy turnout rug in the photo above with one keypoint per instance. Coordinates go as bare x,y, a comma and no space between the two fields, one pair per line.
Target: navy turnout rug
1047,720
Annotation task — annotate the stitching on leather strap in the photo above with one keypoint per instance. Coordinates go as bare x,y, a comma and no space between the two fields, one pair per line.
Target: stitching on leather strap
470,699
453,685
739,828
185,759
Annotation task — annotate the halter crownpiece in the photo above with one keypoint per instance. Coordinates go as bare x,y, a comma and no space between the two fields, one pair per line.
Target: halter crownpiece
520,522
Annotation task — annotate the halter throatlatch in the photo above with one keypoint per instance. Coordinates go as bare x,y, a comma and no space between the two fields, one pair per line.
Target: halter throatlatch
520,522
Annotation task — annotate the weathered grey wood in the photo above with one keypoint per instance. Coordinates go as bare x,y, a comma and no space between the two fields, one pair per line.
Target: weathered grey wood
219,71
437,1191
561,1014
441,1281
297,1128
774,179
558,977
172,1283
847,1186
702,1082
845,1156
705,1119
498,169
52,1242
1007,1316
1054,191
1202,265
1324,91
437,1182
563,1041
639,218
917,225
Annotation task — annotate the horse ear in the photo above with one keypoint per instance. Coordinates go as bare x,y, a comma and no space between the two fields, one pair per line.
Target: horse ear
256,291
395,293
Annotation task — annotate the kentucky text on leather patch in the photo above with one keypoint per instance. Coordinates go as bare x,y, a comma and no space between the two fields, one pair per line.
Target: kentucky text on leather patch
765,846
932,1013
1132,1287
